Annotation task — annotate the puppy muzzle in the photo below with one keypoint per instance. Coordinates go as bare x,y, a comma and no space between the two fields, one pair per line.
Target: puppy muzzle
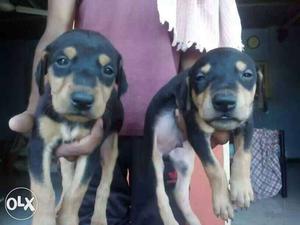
82,101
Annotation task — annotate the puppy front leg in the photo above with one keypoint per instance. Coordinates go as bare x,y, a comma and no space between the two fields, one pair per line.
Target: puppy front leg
109,155
40,181
162,198
183,161
200,141
73,192
240,183
67,173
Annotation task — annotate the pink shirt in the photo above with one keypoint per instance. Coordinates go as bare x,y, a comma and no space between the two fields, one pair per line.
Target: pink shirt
149,60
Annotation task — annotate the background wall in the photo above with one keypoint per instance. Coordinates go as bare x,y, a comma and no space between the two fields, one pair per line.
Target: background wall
18,37
15,72
283,81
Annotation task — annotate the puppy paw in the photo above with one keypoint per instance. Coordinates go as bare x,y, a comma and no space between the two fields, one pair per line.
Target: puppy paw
222,207
241,192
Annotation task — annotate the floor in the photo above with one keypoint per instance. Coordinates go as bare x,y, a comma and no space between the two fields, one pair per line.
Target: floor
274,211
277,210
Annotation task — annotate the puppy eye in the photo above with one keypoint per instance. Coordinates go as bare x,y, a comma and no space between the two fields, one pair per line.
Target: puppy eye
108,70
62,61
247,74
200,77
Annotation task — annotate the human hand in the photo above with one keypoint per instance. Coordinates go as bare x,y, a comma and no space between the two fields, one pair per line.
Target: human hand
22,123
84,146
219,138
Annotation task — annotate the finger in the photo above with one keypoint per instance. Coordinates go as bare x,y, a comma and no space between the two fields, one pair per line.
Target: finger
70,150
22,123
97,131
222,137
82,147
213,143
71,158
62,151
219,138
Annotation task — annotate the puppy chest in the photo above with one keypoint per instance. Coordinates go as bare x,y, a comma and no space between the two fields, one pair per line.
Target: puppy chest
168,134
50,130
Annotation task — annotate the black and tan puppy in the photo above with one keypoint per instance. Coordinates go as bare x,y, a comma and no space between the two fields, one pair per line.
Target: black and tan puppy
215,95
85,81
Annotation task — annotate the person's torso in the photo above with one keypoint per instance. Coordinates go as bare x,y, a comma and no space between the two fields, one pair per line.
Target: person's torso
149,60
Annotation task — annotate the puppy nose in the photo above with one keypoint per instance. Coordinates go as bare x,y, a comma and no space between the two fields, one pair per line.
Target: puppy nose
82,101
224,103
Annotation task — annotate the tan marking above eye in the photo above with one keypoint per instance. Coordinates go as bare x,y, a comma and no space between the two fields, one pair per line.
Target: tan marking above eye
70,52
104,59
206,68
240,65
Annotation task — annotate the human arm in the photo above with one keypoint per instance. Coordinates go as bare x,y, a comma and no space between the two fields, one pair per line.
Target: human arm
60,19
84,146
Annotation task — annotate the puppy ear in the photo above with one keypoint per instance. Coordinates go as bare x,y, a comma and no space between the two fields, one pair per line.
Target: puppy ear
260,90
40,72
121,80
183,95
